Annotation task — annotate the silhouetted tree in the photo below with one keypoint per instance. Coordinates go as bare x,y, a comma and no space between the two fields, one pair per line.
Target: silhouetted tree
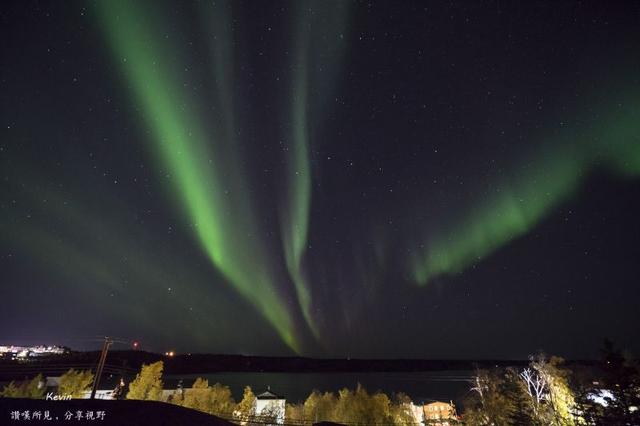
613,399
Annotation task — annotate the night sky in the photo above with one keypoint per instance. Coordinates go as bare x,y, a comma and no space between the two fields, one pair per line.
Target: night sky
323,178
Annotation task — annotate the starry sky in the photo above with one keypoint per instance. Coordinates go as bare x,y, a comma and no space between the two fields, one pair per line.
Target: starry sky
321,178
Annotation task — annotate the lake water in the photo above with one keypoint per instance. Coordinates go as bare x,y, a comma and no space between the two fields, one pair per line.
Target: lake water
295,387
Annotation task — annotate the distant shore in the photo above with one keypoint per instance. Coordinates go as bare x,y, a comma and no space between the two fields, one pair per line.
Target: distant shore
128,362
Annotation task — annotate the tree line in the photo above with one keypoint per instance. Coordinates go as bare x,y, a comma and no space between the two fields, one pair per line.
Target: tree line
354,407
547,393
73,383
544,393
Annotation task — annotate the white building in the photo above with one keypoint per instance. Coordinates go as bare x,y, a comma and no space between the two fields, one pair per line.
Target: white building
417,412
270,406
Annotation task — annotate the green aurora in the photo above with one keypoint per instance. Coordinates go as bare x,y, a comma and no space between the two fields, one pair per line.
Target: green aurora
207,179
517,207
202,158
295,215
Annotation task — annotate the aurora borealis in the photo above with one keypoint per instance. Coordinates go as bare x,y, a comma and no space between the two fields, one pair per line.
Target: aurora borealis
324,178
518,206
210,189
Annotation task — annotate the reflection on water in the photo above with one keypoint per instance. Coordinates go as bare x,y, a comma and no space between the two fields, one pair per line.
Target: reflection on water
295,387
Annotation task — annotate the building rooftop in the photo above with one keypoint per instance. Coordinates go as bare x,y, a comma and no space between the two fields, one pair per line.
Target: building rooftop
268,394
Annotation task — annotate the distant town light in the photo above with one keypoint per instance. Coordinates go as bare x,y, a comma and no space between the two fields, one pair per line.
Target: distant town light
24,352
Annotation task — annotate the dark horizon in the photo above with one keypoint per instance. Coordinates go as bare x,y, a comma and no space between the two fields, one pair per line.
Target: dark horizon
120,349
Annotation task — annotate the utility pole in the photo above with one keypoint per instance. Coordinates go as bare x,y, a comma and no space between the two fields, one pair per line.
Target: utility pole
103,358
